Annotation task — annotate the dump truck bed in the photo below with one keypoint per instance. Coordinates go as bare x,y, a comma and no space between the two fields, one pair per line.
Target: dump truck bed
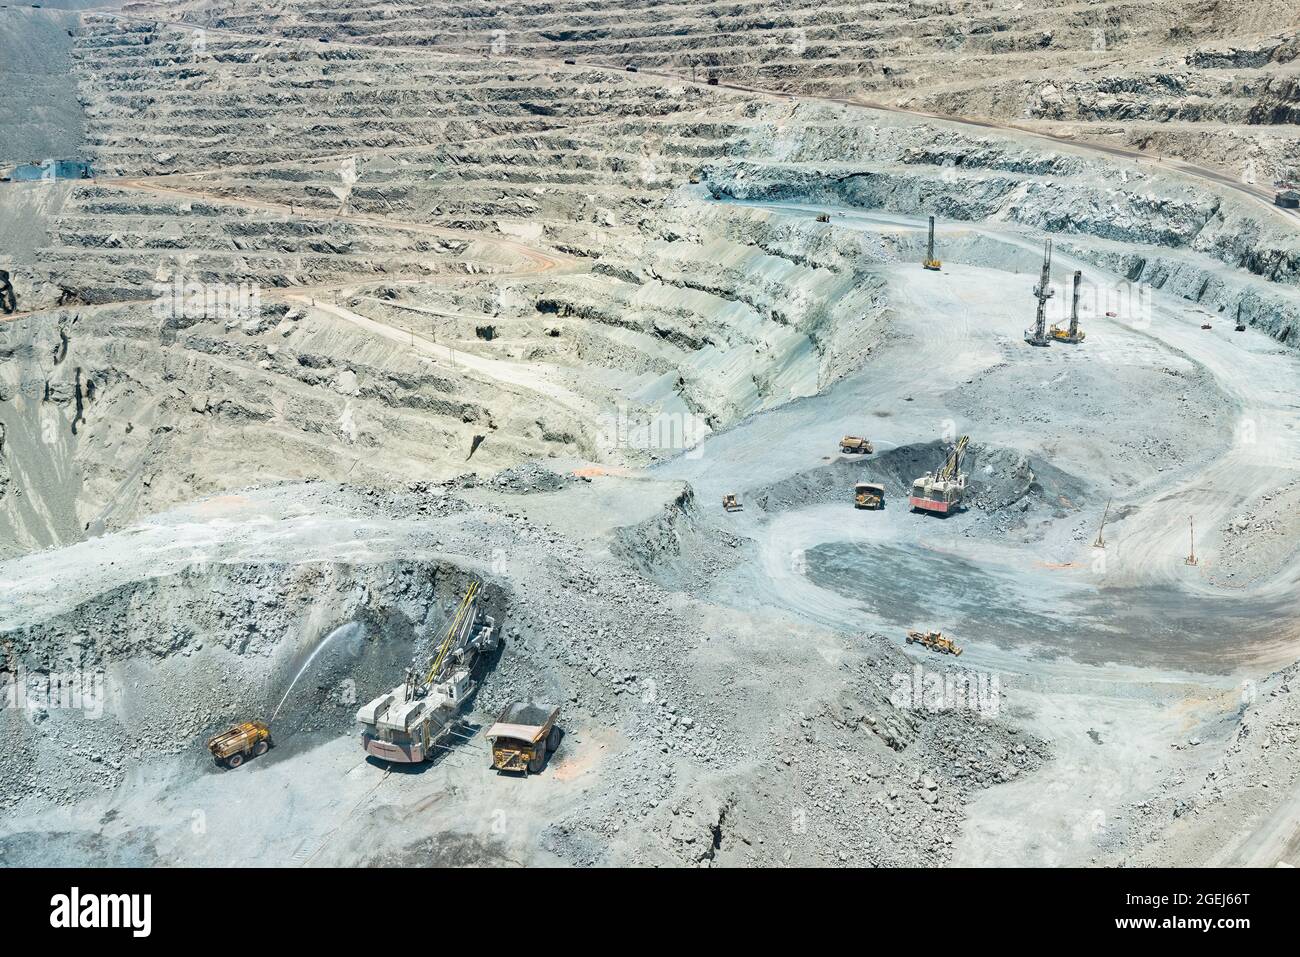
523,735
523,721
868,495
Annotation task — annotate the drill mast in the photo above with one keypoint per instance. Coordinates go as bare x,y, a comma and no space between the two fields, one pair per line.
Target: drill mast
1037,336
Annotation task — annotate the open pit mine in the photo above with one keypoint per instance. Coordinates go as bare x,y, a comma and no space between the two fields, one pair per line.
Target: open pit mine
650,434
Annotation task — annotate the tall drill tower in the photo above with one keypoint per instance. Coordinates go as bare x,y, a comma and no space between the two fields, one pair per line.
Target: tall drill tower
930,262
1073,334
1037,336
1074,306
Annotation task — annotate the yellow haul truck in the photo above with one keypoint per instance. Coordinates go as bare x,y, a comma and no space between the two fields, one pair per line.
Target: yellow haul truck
868,495
250,739
524,734
856,445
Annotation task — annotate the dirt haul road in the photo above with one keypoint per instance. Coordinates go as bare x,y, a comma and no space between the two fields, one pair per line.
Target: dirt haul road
509,374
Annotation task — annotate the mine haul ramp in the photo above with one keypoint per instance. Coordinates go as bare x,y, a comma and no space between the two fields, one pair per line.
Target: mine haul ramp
524,733
249,739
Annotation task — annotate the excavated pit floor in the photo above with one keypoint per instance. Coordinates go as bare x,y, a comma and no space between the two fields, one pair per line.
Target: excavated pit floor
1111,663
1127,632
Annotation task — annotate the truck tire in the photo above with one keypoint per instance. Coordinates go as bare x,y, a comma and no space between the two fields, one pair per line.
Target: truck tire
235,760
536,762
260,748
553,739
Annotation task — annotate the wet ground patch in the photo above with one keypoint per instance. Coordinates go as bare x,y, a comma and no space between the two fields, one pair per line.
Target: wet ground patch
1161,626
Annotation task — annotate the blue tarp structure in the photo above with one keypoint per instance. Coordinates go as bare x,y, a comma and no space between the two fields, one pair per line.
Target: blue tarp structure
52,169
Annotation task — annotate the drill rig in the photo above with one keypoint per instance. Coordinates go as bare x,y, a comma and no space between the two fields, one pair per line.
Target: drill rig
942,491
1037,336
930,262
409,723
1073,334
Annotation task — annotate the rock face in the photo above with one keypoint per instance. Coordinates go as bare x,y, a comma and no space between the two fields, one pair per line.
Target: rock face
220,293
698,313
39,113
1209,83
4,466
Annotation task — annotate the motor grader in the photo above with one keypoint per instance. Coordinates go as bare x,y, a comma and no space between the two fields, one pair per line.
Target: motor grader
935,641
